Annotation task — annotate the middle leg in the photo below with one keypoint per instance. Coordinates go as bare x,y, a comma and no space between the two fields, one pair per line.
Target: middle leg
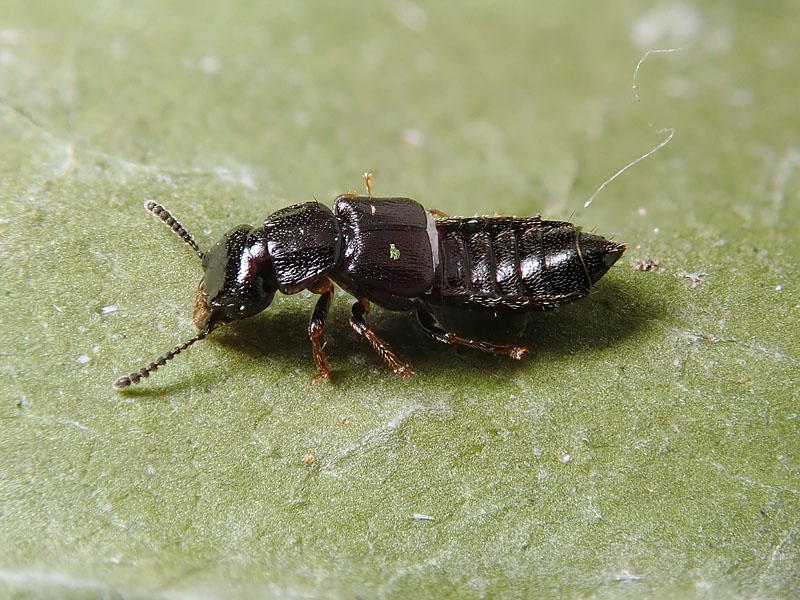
358,323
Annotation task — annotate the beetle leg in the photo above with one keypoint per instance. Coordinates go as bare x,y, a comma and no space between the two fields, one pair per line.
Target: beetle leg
432,327
357,322
325,289
437,213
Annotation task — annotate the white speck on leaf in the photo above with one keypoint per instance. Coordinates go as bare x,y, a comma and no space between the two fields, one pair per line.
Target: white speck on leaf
410,14
678,87
787,166
413,136
210,64
626,576
674,24
10,36
741,97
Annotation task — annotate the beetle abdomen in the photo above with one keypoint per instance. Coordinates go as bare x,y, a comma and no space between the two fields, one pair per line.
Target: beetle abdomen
515,263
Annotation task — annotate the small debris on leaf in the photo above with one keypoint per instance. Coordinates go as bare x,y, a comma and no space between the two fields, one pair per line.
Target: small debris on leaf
646,264
695,279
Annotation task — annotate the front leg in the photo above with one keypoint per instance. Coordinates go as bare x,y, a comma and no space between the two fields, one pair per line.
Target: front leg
324,288
358,323
430,325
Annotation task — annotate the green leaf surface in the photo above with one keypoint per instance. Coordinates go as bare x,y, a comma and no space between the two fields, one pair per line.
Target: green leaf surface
647,447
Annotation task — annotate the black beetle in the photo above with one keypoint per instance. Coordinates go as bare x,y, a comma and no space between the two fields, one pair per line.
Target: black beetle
393,252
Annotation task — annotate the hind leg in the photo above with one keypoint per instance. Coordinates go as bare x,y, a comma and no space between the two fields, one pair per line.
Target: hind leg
431,326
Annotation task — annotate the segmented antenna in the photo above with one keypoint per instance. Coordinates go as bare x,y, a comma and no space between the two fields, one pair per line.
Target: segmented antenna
123,382
163,214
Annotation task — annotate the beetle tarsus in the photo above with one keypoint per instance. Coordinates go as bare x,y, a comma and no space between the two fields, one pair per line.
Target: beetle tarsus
320,376
403,371
517,352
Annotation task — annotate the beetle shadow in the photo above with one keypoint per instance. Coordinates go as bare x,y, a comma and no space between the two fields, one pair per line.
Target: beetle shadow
602,320
280,338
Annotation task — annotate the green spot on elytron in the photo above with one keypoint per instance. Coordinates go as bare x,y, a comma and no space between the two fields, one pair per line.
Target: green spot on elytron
394,253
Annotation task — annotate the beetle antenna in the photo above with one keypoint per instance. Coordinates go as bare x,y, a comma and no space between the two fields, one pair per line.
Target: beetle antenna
163,214
136,377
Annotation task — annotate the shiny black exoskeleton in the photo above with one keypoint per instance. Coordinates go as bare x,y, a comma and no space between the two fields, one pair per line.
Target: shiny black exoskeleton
393,252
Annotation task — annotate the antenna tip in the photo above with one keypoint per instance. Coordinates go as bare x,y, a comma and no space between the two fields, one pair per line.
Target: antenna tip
121,383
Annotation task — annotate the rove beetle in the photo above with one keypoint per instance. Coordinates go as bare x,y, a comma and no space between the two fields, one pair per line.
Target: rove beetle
392,252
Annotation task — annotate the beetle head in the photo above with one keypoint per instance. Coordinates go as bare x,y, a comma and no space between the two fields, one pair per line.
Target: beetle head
238,280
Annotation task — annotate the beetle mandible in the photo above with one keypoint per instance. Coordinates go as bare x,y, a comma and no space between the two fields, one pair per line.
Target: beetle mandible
392,252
